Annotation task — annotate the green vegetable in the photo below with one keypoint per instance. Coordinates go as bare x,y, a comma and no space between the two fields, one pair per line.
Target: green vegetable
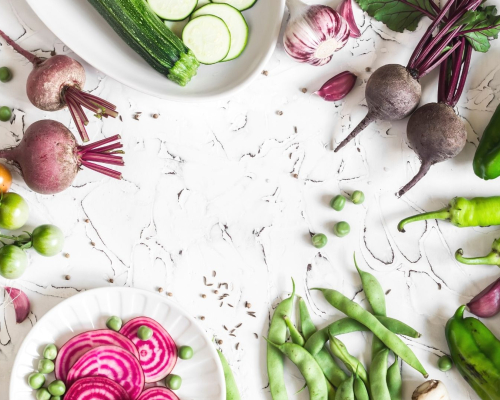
341,229
462,212
114,323
338,202
144,32
36,380
487,158
360,391
346,390
395,381
493,258
42,394
357,197
185,352
5,74
294,333
57,388
13,262
14,211
173,382
232,392
445,363
5,114
50,352
144,332
319,240
47,240
378,376
352,363
306,323
46,366
474,23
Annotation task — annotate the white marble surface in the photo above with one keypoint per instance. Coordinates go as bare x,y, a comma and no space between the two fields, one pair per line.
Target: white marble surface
231,186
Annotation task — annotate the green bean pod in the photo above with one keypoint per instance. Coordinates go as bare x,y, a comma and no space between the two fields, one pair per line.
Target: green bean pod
352,363
330,390
394,381
232,392
330,368
294,333
378,376
306,323
346,390
360,391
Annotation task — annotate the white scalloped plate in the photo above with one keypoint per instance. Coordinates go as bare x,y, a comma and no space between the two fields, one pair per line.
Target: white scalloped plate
202,376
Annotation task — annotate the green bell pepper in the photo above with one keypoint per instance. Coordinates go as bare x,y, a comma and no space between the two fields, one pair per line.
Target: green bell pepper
487,158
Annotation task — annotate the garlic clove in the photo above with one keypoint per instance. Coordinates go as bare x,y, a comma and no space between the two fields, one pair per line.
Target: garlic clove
345,9
487,303
431,390
338,87
21,303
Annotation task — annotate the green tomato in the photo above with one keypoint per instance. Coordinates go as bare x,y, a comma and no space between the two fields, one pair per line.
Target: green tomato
5,114
43,394
36,380
57,388
185,352
13,262
341,229
319,240
357,197
48,240
50,352
173,382
114,323
5,74
14,211
45,366
445,363
338,202
144,333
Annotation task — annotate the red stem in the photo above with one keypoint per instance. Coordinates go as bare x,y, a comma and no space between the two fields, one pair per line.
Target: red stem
456,65
80,126
29,56
427,69
463,78
103,158
87,147
106,149
102,169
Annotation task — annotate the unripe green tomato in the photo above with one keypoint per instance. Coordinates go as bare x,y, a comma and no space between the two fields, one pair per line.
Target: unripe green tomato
43,394
5,114
358,197
173,382
13,261
50,352
144,333
319,240
338,202
36,380
57,388
5,74
14,211
46,366
341,229
114,323
48,240
445,363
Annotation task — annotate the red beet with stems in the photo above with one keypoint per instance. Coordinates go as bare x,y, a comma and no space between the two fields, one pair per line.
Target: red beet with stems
56,83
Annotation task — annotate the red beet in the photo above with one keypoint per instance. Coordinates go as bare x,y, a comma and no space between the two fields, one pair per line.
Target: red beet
96,388
158,393
49,157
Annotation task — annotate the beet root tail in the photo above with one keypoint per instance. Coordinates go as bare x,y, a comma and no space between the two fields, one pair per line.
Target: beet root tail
370,117
424,168
30,57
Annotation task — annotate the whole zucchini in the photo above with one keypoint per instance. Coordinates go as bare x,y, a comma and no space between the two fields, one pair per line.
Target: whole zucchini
145,32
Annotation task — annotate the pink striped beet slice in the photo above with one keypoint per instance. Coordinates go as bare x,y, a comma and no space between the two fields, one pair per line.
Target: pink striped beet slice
158,393
96,388
113,363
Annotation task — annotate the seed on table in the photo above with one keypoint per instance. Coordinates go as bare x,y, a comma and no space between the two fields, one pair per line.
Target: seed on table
136,116
111,280
202,318
241,323
237,346
368,69
66,255
156,116
160,289
256,336
216,291
92,244
67,277
204,296
220,341
265,73
87,220
214,273
279,112
170,294
248,305
296,176
304,90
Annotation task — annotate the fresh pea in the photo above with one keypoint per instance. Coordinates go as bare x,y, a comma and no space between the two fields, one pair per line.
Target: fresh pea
5,114
57,388
36,380
144,332
297,338
341,229
42,394
346,390
394,381
360,391
319,240
56,398
173,382
338,202
445,363
5,74
50,352
232,392
306,322
358,197
114,323
46,366
352,363
378,376
185,352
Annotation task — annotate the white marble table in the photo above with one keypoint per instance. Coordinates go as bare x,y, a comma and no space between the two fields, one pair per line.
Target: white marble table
236,188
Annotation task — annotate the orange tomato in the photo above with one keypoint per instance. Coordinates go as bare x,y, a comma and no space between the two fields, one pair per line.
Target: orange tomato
5,179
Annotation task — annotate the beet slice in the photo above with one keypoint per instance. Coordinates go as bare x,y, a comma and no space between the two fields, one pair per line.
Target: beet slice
158,393
76,347
157,355
96,388
110,362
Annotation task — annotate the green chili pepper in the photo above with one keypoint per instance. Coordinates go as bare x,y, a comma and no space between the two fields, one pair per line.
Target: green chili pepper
232,392
297,338
346,390
486,162
471,352
394,381
378,376
462,212
491,259
352,363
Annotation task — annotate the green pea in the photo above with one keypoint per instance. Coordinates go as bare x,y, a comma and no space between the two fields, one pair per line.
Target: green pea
114,323
43,394
319,240
445,363
56,398
144,333
46,366
185,352
50,352
57,388
338,202
5,114
358,197
5,74
173,382
36,380
341,229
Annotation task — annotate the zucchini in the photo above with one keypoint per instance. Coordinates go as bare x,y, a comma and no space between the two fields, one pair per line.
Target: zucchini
148,36
241,5
173,10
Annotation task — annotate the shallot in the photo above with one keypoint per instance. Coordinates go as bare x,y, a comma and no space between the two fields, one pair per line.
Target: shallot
21,303
487,303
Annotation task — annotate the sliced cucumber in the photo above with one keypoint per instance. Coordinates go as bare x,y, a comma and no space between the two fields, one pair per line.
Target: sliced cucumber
241,5
235,22
202,3
208,38
173,10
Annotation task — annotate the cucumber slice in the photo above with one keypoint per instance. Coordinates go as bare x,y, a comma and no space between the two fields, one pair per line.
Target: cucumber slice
208,38
235,22
241,5
202,3
173,10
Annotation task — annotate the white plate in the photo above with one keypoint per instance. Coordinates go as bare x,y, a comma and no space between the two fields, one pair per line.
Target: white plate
202,376
81,28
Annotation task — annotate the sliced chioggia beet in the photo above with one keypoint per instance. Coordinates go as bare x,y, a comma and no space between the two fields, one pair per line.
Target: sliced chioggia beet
76,347
158,393
113,363
157,355
21,303
96,388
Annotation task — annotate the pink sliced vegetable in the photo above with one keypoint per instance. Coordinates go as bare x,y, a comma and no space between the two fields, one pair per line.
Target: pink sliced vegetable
50,158
157,355
345,9
110,362
487,303
76,347
96,388
158,393
338,87
21,303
